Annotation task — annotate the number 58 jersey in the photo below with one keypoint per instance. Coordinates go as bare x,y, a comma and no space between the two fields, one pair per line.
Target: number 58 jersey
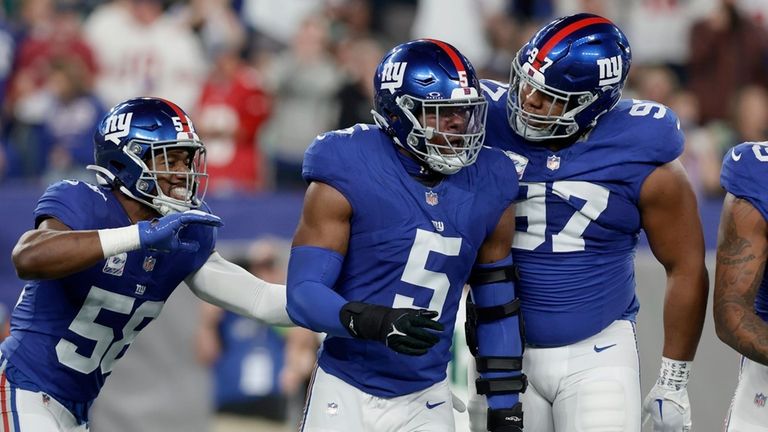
67,334
410,246
578,220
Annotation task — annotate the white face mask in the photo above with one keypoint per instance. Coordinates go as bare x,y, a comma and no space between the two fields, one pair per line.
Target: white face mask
529,131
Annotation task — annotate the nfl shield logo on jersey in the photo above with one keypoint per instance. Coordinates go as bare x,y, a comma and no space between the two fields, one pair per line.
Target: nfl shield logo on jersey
332,409
553,162
149,263
760,400
431,198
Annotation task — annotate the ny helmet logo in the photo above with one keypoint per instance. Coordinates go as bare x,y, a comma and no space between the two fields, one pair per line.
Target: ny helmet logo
117,127
392,75
610,70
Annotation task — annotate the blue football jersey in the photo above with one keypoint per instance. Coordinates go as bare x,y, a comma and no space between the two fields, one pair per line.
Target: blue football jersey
410,246
67,334
745,168
578,220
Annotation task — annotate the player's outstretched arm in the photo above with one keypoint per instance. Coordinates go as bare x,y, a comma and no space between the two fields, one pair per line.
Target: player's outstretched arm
671,221
319,246
742,248
494,332
53,250
229,286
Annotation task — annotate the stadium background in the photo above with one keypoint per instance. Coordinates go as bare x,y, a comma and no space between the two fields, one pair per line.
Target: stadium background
261,77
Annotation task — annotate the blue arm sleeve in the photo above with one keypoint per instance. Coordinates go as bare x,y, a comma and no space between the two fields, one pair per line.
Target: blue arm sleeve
311,301
500,338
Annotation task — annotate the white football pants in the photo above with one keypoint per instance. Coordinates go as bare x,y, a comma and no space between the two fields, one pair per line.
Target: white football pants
335,406
592,385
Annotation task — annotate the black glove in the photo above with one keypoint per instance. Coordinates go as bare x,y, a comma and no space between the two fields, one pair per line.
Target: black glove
506,420
402,330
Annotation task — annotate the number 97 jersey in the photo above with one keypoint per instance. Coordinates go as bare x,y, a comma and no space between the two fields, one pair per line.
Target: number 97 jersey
578,219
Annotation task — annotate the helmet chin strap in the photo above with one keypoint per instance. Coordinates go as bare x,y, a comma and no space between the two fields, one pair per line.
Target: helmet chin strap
104,177
165,208
531,131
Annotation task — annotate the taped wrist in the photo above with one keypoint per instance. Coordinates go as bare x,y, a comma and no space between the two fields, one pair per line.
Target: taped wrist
364,320
115,241
674,374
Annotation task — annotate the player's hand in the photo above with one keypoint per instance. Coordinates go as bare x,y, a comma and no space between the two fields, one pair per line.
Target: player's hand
163,234
669,409
407,331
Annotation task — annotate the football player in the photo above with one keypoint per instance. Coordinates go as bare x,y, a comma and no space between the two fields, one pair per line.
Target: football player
741,290
103,259
398,217
594,170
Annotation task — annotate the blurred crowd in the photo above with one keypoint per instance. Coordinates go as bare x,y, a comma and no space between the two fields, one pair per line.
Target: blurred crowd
262,78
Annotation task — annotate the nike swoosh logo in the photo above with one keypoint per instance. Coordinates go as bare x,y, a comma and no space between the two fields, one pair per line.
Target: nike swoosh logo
430,406
600,349
735,156
661,413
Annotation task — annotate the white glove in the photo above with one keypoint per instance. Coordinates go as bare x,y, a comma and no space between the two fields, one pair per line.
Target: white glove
669,409
667,403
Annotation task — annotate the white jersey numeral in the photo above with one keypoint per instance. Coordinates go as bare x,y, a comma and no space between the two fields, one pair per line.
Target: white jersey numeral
495,95
104,352
570,238
641,108
535,211
415,271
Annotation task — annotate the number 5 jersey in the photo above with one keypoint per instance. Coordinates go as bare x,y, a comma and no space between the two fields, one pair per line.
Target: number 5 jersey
410,246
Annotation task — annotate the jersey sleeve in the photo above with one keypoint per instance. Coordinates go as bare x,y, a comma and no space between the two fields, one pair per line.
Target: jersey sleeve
324,161
500,184
505,176
743,168
496,122
656,132
71,202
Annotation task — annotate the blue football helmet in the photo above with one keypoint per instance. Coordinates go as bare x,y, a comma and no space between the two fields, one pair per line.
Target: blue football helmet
428,99
580,63
126,145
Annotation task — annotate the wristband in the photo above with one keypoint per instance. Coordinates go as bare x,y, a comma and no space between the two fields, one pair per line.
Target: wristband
674,374
115,241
